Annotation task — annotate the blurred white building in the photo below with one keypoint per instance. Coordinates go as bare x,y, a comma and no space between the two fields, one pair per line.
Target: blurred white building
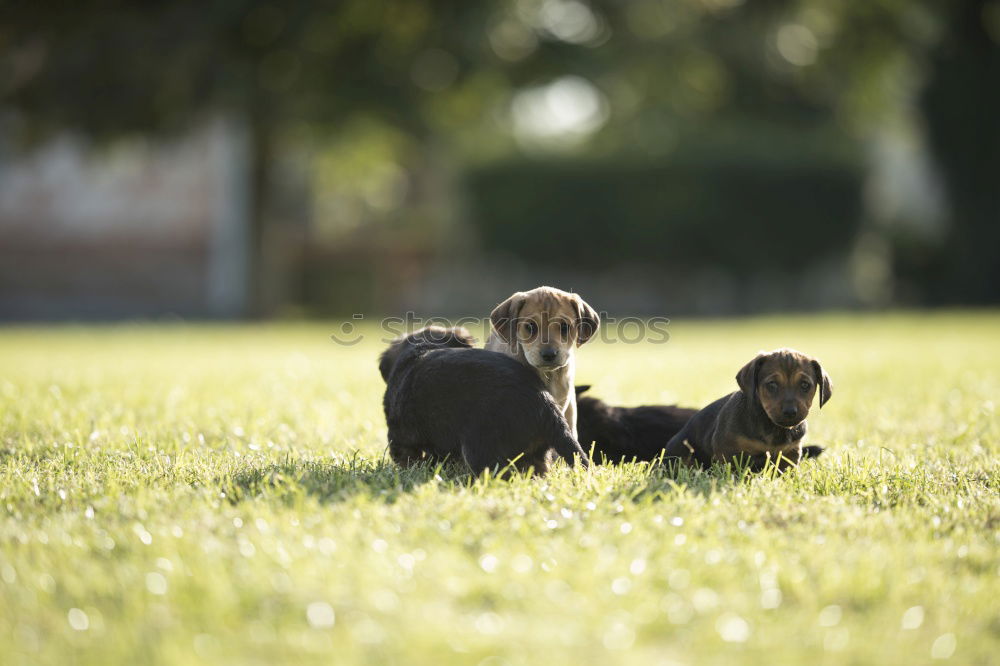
133,229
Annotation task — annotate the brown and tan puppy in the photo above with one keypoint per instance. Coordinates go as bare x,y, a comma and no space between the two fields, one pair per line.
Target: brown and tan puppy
542,328
765,418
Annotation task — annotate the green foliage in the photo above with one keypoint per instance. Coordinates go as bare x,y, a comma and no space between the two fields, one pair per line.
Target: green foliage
753,217
442,75
446,66
215,494
110,71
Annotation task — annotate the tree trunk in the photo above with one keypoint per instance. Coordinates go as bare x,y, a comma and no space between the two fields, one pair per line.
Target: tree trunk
258,267
962,105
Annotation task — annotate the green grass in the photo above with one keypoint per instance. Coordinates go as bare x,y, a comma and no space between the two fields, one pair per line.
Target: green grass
216,494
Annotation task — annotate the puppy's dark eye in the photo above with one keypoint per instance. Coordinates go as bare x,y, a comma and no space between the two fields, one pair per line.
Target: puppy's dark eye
804,385
531,328
772,387
564,329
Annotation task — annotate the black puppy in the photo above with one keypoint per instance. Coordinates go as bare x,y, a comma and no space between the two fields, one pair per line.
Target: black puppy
444,397
626,433
765,418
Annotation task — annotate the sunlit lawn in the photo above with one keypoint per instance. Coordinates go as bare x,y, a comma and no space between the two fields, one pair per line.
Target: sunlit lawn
219,494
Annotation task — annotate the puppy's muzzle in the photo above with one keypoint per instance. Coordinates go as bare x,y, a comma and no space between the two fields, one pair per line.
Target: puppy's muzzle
548,358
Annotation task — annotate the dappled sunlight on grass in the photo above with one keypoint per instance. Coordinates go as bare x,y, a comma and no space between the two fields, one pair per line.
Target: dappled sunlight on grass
221,494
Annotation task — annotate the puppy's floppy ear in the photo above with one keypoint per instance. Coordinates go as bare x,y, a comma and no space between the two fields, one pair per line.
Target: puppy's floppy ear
747,376
581,389
587,320
823,381
387,360
504,316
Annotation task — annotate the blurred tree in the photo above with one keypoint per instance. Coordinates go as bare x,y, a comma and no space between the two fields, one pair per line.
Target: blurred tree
111,68
719,82
962,106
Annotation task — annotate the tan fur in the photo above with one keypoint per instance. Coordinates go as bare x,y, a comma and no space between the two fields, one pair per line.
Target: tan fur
740,445
785,377
542,328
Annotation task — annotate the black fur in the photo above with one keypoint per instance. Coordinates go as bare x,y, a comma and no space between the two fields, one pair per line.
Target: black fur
626,433
444,398
812,451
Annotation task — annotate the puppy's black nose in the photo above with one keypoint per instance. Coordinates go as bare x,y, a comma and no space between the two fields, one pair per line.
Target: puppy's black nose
548,355
789,412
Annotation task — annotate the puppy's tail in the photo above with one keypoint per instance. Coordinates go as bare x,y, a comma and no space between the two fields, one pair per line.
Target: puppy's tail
812,451
561,436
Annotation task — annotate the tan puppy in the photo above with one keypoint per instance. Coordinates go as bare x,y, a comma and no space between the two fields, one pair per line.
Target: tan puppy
542,328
